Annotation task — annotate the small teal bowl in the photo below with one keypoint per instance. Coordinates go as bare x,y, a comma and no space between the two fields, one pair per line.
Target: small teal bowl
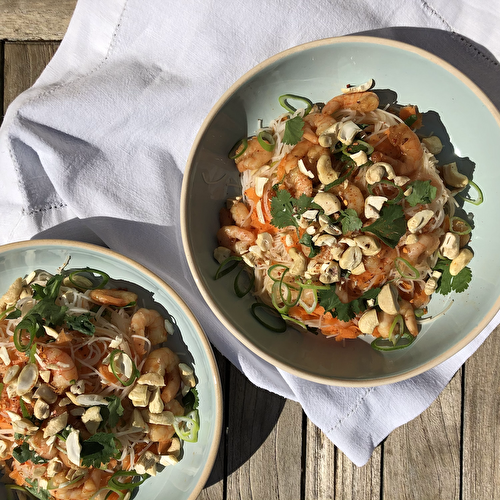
186,479
465,120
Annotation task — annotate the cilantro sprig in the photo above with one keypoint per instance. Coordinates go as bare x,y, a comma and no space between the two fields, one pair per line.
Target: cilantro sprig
448,283
23,453
287,210
350,220
293,130
390,226
422,192
98,449
345,312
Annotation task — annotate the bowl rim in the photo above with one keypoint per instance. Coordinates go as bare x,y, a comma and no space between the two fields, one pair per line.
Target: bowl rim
190,251
216,382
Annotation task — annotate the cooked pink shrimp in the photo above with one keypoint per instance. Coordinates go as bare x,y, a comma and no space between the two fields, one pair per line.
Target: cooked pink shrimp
235,238
85,489
425,246
112,297
165,363
62,367
351,196
357,101
255,156
150,324
298,183
39,444
241,214
406,311
315,124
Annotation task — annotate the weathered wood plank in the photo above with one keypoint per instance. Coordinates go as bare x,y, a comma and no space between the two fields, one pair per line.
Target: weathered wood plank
23,64
264,443
422,458
330,475
22,20
481,426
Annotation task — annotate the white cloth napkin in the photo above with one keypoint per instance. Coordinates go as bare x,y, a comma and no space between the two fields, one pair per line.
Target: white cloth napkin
95,150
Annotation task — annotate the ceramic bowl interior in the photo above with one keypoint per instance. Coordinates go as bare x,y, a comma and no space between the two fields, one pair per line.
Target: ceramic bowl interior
455,110
186,479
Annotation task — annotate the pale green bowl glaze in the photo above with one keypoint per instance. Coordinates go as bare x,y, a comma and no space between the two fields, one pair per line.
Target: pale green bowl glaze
318,70
186,479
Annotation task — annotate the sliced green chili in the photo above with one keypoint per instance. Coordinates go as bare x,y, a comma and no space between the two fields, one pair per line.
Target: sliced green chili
187,427
135,372
357,146
392,201
283,100
115,483
467,227
232,155
237,289
282,323
411,120
382,344
266,140
101,284
223,270
397,265
277,266
480,197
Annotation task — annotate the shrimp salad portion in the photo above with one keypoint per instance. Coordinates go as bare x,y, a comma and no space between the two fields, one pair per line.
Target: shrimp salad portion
92,402
346,224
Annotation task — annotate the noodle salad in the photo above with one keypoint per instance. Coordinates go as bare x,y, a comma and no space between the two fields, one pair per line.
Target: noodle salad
347,224
91,400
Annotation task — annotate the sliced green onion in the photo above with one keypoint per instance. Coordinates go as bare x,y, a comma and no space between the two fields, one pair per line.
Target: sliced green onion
101,284
135,372
18,340
411,120
276,295
14,487
223,270
289,319
24,410
32,353
309,308
121,495
283,100
277,267
232,155
406,276
271,312
237,289
480,197
397,329
467,229
381,344
357,146
266,140
6,312
115,483
392,201
187,427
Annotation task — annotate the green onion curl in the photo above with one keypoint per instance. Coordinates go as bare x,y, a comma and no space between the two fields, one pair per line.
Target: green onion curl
266,140
480,197
282,326
404,341
232,155
283,100
386,182
104,278
224,268
467,229
135,371
399,262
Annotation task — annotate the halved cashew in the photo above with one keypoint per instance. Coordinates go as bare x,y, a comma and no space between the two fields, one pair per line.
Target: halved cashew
419,220
328,202
330,273
388,299
369,244
325,240
433,144
329,136
359,88
450,248
453,177
368,321
373,205
299,262
326,174
378,171
351,258
359,158
459,263
348,132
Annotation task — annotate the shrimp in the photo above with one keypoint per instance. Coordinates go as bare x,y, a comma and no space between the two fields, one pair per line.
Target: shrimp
351,196
84,489
235,238
165,363
315,124
298,183
150,324
403,151
291,159
357,101
112,297
255,156
406,311
425,246
241,215
62,367
39,444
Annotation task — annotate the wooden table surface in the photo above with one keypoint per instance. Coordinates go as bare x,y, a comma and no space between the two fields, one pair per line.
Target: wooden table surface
269,449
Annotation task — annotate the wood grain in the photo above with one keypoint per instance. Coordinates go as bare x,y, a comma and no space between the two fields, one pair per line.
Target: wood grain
22,20
421,459
481,426
23,64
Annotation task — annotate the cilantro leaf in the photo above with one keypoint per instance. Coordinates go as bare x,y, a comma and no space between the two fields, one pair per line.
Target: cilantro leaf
422,192
51,289
293,130
16,313
190,400
282,210
350,220
345,312
111,414
448,283
308,242
390,226
304,203
34,488
98,449
81,324
23,453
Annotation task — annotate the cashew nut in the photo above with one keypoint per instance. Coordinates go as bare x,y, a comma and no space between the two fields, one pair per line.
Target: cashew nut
328,202
373,205
359,88
325,240
326,174
433,144
419,220
459,262
388,299
330,273
453,177
351,258
369,244
450,248
368,321
299,262
378,171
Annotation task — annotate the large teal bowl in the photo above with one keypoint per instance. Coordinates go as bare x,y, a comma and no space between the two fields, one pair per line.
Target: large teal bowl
186,479
318,70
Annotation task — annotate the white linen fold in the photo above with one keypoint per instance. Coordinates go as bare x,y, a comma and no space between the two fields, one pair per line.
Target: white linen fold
95,150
